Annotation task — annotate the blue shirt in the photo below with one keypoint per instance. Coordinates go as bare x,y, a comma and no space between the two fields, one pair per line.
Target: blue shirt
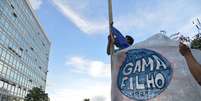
120,40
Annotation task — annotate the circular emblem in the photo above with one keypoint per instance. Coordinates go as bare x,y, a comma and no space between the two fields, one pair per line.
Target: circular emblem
144,74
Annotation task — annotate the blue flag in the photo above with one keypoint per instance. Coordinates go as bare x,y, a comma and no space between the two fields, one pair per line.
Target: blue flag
120,40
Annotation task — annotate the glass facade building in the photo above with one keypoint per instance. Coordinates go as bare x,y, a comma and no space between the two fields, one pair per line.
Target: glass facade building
24,50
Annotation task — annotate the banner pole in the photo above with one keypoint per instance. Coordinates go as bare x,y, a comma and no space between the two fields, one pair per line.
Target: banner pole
111,37
110,28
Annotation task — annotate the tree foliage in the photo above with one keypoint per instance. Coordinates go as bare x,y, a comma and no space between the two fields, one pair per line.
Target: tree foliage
87,99
196,43
36,94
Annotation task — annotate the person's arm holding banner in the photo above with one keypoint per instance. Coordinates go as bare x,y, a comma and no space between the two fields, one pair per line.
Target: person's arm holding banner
194,66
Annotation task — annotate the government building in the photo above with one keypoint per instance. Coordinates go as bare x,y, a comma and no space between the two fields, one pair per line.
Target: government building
24,50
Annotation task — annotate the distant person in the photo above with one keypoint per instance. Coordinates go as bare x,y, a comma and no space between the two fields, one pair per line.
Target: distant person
194,66
119,40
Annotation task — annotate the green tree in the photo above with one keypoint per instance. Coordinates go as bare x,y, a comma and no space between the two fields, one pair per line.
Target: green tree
36,94
196,43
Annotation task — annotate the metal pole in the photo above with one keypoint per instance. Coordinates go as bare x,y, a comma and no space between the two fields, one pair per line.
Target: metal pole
110,27
111,36
110,13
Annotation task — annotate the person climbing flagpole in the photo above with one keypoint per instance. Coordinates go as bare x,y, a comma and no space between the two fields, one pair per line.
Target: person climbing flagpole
115,37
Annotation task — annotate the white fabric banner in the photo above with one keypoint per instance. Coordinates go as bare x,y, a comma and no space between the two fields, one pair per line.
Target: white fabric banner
153,70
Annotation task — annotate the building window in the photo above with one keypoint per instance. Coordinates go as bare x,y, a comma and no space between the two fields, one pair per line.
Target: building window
14,14
32,48
12,6
21,49
30,80
1,66
43,44
1,84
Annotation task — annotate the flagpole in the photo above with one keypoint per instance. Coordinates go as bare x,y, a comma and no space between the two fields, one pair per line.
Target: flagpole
111,37
110,27
110,14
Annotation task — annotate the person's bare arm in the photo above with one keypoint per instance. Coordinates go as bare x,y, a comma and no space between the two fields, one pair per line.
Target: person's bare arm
110,44
194,66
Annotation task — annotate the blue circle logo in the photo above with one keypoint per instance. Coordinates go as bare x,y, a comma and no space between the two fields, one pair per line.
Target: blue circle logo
144,74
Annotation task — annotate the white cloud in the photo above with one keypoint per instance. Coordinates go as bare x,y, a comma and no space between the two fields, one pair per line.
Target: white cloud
95,91
36,4
99,98
189,29
91,67
95,85
97,26
166,15
82,23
